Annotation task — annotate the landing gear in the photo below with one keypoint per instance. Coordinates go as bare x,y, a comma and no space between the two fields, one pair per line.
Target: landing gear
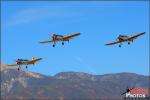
132,41
62,43
120,45
53,45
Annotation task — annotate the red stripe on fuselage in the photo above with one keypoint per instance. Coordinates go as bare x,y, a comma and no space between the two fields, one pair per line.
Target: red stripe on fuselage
120,38
56,37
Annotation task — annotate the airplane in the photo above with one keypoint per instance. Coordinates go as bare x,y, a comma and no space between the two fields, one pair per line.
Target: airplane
125,38
20,62
60,38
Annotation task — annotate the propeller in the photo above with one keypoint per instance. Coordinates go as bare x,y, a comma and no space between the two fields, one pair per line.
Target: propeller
127,90
16,60
51,34
116,38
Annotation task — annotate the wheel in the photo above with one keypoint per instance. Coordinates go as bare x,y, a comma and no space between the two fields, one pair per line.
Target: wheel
119,45
26,67
128,43
62,43
53,45
18,69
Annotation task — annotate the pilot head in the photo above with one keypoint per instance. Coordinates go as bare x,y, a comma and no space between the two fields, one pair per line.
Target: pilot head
53,35
33,58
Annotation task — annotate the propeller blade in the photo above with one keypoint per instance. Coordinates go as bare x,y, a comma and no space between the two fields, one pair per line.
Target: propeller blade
123,93
15,60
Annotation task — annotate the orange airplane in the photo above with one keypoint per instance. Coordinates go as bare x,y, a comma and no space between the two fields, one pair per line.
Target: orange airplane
60,38
125,38
26,62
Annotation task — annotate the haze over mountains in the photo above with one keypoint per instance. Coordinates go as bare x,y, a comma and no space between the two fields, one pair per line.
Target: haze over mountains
67,85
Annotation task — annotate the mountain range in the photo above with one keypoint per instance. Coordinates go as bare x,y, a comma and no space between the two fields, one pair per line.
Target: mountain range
67,85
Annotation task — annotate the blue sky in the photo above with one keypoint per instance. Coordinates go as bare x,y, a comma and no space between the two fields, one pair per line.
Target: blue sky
24,24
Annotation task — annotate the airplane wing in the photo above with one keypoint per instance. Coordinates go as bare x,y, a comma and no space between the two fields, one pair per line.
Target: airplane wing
70,36
38,59
32,61
135,36
35,60
12,65
112,43
48,41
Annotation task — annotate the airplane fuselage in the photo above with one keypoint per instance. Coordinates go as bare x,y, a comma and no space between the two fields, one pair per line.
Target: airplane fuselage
122,37
27,62
57,37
